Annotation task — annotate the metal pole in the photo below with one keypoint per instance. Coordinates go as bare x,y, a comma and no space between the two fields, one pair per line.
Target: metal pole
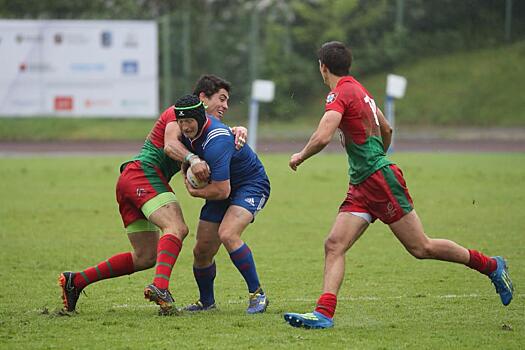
253,114
508,20
254,39
186,45
252,124
400,12
166,61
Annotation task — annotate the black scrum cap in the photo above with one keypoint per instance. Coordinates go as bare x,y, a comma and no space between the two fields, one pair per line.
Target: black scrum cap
190,106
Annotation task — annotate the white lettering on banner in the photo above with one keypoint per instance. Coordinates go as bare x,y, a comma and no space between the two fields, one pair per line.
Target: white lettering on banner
79,68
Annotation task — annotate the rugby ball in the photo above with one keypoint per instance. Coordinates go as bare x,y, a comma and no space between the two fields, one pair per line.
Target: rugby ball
192,179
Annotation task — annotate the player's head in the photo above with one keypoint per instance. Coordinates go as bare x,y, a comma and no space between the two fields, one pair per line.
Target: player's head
214,92
335,57
190,115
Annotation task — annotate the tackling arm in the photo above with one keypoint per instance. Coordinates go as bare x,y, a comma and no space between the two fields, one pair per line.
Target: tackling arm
319,139
241,135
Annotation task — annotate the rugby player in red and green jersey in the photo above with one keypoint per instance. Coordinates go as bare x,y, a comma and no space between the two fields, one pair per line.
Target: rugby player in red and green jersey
377,190
146,201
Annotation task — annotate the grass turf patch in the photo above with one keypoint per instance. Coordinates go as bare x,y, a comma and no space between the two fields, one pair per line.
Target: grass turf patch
59,213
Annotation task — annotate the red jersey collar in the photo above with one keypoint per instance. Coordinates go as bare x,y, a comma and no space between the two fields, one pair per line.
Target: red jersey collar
344,80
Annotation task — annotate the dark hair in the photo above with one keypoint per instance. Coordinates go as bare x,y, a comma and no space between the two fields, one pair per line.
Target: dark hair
336,57
210,84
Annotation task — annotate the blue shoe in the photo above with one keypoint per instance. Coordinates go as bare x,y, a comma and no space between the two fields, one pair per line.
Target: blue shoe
258,302
199,306
501,280
311,320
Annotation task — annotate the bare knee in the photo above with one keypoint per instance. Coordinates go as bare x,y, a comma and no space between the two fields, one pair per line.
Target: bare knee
228,238
422,251
145,258
181,231
333,246
203,254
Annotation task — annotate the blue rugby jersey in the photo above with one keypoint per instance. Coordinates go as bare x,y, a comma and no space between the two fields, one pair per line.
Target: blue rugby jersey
216,145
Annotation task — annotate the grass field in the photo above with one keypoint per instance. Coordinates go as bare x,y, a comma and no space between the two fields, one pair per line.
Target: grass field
59,213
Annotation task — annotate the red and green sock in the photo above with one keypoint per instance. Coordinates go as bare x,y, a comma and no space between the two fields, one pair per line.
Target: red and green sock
168,250
117,265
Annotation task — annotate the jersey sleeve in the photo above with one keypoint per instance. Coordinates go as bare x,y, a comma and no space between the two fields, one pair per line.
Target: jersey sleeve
170,115
218,152
335,101
341,98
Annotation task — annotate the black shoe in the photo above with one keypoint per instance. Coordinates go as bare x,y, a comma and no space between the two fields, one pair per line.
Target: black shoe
161,297
70,293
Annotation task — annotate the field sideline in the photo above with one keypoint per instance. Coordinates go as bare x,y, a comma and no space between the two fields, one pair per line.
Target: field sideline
59,213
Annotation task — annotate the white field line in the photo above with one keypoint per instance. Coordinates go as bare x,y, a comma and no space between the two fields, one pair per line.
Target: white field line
303,300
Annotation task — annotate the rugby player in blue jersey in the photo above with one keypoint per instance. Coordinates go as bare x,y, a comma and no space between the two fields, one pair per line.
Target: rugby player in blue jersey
239,188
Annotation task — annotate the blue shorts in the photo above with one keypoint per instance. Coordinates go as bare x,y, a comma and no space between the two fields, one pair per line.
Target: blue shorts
252,197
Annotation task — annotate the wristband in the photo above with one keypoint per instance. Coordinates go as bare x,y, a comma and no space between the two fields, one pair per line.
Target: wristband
188,157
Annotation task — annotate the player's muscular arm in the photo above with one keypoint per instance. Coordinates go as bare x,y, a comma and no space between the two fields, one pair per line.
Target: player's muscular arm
173,147
217,190
385,128
176,150
319,139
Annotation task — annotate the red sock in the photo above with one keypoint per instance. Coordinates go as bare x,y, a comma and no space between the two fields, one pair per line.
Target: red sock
117,265
482,263
168,250
326,304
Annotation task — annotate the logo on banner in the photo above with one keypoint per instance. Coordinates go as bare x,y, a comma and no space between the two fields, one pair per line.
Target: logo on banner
97,103
88,67
134,103
58,38
131,40
63,103
38,67
106,39
25,103
70,38
130,67
33,38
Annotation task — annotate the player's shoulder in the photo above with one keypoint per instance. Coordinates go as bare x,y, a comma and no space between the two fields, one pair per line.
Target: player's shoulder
168,114
217,132
351,88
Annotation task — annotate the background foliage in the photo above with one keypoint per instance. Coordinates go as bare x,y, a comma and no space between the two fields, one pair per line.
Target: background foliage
278,39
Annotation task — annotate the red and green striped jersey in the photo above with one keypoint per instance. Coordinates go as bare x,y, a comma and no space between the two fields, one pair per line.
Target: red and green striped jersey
359,128
152,151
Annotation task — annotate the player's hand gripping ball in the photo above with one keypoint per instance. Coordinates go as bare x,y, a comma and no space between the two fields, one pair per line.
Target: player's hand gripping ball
192,179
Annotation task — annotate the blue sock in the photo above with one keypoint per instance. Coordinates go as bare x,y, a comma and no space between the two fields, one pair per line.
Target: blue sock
204,278
242,258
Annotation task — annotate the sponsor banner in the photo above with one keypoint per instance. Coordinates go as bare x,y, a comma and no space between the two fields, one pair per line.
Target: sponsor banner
78,68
